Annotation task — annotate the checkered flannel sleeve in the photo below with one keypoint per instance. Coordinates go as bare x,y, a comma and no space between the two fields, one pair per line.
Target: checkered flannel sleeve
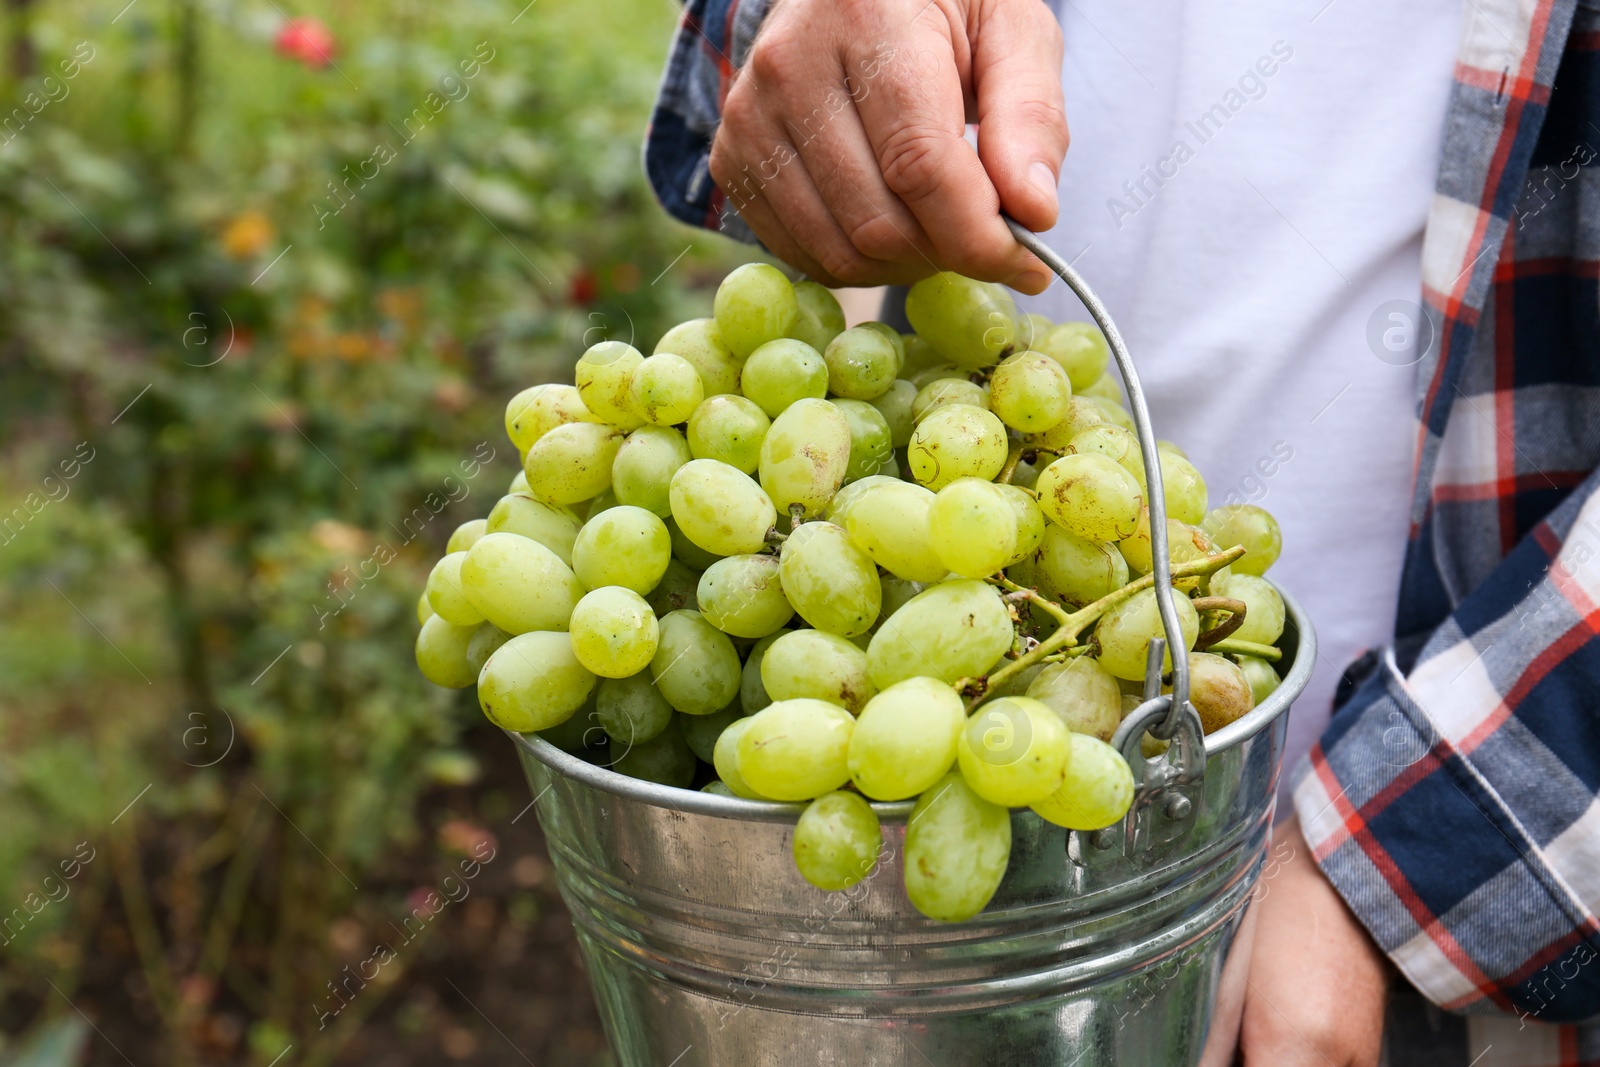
1456,808
711,43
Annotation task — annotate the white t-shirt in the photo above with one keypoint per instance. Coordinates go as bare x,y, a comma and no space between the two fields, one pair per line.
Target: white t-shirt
1246,190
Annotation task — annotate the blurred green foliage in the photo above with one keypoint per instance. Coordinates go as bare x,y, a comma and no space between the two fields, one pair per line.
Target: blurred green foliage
267,310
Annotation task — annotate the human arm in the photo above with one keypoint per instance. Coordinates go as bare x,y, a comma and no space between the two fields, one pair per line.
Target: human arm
836,133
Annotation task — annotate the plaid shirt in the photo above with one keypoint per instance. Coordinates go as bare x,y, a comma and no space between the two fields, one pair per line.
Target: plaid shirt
1453,799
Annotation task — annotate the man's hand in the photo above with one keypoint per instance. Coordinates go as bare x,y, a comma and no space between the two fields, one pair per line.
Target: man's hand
842,144
1317,984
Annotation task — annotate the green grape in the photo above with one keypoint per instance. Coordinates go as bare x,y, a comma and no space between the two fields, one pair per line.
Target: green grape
614,632
533,682
889,523
1083,693
754,304
919,356
796,749
665,389
905,738
805,456
604,502
1025,475
1082,413
442,653
942,392
837,841
730,429
1114,412
695,665
699,342
518,584
972,527
1218,690
697,558
1247,525
838,509
1014,751
1264,611
743,596
1185,544
938,372
424,608
539,409
1030,392
1262,677
1073,570
675,590
1125,631
631,709
578,734
1029,519
820,318
720,508
664,759
624,546
957,441
642,472
1113,442
701,731
781,372
956,629
895,405
1104,387
862,363
956,851
871,446
448,594
752,694
553,526
605,378
718,787
896,593
896,341
1168,446
1080,350
462,537
485,639
572,462
829,581
725,758
1185,489
819,665
970,323
1091,496
1098,790
1031,328
519,483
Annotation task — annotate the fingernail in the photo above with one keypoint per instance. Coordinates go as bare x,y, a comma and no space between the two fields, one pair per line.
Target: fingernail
1043,179
1029,281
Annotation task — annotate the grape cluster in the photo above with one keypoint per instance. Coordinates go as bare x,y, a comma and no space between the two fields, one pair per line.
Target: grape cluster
800,562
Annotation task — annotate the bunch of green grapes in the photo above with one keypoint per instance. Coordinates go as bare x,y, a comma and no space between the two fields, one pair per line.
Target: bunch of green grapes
786,560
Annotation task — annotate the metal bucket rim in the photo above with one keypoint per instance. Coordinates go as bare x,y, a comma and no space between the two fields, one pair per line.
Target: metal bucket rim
696,802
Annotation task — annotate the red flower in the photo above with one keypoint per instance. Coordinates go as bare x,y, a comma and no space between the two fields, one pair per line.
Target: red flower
583,288
305,38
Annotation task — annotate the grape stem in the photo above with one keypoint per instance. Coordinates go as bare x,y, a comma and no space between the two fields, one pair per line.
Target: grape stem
1075,623
774,538
1012,459
1235,610
1022,592
1245,648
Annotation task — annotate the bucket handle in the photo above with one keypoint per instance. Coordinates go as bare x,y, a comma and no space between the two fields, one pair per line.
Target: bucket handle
1165,717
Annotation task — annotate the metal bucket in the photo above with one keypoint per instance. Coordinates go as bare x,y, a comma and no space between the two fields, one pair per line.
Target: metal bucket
706,947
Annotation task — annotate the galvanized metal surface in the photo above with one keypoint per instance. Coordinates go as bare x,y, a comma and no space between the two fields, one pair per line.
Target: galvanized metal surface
705,946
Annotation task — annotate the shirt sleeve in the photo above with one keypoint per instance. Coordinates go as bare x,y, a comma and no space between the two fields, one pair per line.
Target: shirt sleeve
1455,807
711,43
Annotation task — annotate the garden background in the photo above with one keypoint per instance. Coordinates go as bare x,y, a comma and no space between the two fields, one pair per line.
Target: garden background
267,276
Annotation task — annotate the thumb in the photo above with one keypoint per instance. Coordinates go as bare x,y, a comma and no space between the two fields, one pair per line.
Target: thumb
1022,122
